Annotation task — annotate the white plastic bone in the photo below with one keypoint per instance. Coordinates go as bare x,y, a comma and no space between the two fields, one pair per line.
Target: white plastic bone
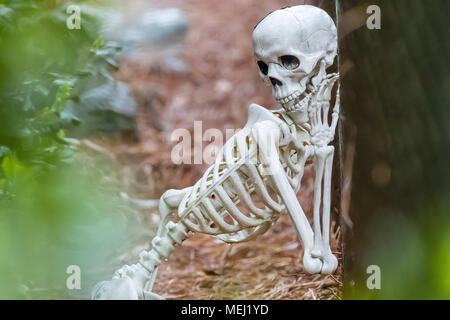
258,172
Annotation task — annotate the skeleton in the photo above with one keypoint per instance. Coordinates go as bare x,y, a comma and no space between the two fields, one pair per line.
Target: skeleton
258,172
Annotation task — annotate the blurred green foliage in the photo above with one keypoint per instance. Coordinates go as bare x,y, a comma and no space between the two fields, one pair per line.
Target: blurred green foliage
412,251
55,210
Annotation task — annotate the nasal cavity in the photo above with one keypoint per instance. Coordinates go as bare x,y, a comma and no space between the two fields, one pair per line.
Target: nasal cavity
275,82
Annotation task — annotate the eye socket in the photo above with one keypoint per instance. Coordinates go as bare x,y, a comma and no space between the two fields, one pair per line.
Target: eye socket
263,67
290,62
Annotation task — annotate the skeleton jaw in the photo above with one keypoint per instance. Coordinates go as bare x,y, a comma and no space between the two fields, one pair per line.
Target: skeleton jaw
296,104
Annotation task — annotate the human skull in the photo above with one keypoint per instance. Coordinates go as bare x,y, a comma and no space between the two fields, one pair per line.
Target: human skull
293,46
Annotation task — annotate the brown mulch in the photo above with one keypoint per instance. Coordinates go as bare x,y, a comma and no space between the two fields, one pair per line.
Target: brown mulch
220,82
268,268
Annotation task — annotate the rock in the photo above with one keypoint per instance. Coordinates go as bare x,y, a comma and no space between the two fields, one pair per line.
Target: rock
152,37
108,108
154,31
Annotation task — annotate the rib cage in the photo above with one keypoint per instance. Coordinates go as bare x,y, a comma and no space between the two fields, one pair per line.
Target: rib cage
234,200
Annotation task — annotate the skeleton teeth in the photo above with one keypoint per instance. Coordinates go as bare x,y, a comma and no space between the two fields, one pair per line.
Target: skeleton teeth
295,107
289,97
301,103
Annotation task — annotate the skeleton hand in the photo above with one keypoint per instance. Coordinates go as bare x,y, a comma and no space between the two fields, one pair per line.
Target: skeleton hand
321,132
127,284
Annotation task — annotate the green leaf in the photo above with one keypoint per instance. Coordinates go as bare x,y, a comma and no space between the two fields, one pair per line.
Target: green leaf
61,134
12,167
98,44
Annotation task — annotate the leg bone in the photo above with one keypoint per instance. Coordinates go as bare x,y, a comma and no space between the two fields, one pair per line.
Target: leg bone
136,281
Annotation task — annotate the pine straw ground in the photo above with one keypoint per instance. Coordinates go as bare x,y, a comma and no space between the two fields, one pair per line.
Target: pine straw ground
268,268
221,80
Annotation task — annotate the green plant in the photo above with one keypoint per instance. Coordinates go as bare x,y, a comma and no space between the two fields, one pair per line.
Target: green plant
54,211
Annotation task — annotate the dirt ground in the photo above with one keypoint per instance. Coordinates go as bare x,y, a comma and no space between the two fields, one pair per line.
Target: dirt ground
220,81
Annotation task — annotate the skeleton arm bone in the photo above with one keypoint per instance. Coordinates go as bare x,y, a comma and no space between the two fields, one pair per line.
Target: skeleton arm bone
267,134
322,134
